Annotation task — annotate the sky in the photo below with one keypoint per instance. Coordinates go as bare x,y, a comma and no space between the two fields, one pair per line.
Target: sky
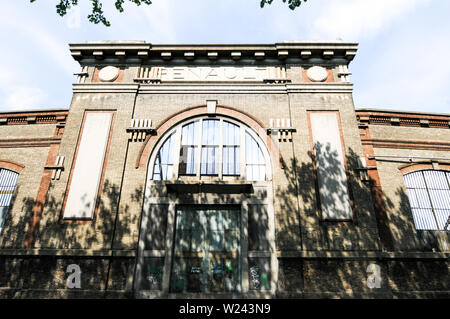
402,63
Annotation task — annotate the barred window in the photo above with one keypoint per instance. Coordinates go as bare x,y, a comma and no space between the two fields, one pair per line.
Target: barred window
8,180
210,147
429,198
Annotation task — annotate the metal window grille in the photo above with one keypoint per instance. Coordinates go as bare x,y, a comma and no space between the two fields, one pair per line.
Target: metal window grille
8,181
429,198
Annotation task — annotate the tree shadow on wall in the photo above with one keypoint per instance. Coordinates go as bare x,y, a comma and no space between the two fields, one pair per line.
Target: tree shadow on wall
86,244
213,193
369,230
299,227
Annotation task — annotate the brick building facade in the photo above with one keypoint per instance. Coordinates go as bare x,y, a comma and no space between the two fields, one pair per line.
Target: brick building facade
220,171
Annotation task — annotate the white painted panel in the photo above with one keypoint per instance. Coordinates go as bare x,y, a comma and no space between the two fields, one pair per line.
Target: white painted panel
329,157
88,166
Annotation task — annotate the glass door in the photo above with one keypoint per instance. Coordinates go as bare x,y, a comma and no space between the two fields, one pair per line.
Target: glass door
206,249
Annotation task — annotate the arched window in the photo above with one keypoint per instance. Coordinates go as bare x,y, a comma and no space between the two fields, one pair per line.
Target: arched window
429,198
8,180
210,147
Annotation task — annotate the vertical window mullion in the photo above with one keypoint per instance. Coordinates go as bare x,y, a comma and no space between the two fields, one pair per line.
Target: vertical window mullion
176,162
429,198
242,152
220,159
199,148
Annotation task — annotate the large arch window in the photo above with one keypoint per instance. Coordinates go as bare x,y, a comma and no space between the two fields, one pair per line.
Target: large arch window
429,198
210,147
8,181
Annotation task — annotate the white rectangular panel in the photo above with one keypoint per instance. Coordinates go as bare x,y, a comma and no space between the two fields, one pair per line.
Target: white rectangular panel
330,166
87,172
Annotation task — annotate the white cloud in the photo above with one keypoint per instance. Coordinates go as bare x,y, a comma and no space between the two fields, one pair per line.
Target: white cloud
22,98
43,39
355,19
155,23
407,76
161,16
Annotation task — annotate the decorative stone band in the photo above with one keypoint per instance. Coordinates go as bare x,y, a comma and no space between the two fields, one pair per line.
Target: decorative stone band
380,117
407,144
57,168
82,75
213,88
343,73
148,75
29,142
363,169
139,128
282,128
33,117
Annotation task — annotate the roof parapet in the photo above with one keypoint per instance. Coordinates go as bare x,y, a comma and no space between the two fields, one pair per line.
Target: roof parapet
138,51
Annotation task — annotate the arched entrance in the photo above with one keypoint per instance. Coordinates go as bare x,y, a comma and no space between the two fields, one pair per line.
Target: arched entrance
207,224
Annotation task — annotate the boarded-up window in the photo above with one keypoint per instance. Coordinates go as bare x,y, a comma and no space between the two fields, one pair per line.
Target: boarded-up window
330,166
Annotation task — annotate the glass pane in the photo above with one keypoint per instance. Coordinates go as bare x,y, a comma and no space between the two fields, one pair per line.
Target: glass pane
255,162
231,160
231,134
206,250
189,134
210,132
424,219
429,198
8,180
188,150
442,216
164,160
435,179
414,180
210,163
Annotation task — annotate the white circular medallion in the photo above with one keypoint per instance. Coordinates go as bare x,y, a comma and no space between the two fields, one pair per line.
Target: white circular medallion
317,74
108,74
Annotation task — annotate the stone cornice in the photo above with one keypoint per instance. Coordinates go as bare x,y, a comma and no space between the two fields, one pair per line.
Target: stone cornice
33,117
139,52
398,118
104,88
